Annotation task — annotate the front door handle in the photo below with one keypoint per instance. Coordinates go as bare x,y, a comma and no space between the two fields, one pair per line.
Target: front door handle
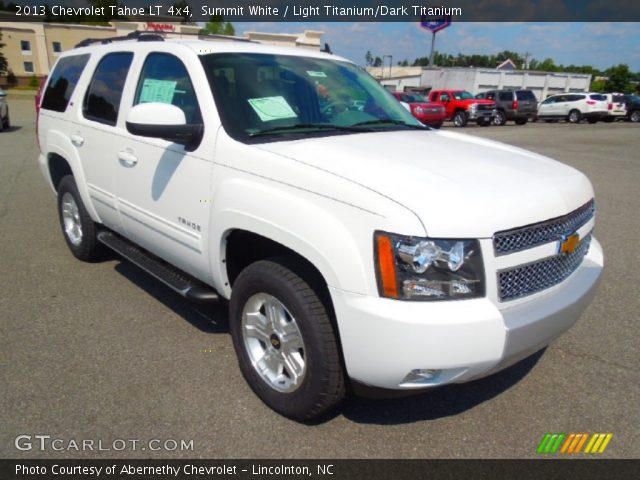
127,159
77,140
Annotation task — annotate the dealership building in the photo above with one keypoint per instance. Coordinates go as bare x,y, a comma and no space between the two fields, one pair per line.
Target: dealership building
32,48
476,80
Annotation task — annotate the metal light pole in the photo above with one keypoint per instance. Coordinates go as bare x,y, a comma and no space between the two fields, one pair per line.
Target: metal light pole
390,63
433,43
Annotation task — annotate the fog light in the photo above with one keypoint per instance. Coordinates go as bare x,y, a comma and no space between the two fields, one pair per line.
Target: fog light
421,375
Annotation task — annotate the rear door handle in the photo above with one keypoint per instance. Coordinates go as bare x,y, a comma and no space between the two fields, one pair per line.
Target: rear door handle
127,159
77,140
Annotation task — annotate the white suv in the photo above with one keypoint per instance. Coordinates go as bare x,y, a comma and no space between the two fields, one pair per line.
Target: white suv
616,106
574,107
292,184
5,123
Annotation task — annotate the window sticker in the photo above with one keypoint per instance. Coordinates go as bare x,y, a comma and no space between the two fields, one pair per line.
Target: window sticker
272,108
161,91
316,74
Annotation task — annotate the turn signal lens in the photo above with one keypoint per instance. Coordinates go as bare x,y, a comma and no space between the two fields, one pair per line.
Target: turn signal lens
387,266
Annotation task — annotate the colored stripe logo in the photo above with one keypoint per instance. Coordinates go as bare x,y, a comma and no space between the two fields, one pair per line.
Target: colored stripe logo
574,443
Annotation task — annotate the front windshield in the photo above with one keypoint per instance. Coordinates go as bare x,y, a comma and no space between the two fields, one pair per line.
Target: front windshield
416,98
463,95
260,94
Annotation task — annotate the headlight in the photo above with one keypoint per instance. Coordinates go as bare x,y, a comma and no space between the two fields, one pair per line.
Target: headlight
420,110
414,268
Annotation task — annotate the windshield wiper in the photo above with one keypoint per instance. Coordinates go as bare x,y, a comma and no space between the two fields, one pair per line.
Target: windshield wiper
381,121
308,126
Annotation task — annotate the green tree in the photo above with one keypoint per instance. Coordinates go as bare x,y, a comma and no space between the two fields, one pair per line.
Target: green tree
377,62
368,58
598,86
619,78
547,65
217,26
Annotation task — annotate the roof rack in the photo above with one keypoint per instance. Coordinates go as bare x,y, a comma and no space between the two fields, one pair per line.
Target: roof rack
158,37
137,35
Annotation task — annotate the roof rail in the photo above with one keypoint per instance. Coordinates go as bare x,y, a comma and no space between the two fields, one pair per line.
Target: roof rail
216,36
136,35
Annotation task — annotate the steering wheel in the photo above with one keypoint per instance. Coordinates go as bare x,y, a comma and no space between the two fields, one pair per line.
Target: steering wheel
332,105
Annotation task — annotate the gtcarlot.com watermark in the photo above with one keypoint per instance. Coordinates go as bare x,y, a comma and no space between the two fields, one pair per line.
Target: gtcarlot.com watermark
44,443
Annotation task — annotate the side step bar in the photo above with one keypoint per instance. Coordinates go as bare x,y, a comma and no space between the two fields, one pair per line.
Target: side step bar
175,279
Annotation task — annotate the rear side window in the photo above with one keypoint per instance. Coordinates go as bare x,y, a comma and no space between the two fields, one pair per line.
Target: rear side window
575,98
525,95
505,96
598,97
165,79
63,82
618,98
102,100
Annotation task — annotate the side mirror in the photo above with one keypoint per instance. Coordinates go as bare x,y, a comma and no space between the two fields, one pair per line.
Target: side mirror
162,120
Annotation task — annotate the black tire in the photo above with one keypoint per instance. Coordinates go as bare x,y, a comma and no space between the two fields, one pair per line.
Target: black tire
634,116
322,386
574,116
460,118
88,248
521,121
484,122
500,119
592,120
6,123
436,125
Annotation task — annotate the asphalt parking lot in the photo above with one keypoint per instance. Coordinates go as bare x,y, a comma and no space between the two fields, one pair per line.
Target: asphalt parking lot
103,352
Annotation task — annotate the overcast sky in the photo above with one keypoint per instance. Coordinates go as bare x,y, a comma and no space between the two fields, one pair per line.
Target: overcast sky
598,44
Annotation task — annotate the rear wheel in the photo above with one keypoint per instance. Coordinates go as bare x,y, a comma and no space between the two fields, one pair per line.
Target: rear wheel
285,342
500,119
635,116
79,230
574,116
460,119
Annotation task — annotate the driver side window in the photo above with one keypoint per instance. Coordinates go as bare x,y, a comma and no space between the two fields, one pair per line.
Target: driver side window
164,79
444,97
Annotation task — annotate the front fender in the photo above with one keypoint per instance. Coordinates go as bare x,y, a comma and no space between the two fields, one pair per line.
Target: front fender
302,222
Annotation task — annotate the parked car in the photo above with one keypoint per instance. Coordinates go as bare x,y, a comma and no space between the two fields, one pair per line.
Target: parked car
432,114
5,122
632,108
574,107
617,107
517,105
352,245
461,106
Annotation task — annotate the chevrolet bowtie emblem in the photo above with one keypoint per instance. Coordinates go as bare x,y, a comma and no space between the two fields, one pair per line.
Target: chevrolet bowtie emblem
569,243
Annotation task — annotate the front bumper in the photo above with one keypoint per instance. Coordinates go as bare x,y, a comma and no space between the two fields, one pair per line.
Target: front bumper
383,339
480,114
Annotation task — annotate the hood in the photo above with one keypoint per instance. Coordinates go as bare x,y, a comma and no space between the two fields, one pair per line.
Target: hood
458,185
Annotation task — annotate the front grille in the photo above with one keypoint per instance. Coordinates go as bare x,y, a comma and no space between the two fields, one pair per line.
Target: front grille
485,106
527,279
521,238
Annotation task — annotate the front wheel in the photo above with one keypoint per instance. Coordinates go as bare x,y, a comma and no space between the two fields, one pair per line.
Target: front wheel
635,116
460,119
285,341
79,230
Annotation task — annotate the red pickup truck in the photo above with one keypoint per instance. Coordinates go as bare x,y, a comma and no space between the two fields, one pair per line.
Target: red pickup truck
461,106
431,114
